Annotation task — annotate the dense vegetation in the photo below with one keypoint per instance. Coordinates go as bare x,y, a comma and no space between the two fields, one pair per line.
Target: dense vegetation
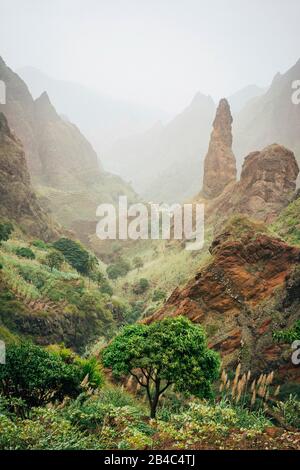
52,398
92,414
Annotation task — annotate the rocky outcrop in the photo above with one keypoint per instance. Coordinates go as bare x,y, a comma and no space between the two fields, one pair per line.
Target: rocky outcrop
219,164
267,184
18,201
240,296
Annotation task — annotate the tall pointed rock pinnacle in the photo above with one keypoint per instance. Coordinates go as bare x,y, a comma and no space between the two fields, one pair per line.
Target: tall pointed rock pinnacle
219,164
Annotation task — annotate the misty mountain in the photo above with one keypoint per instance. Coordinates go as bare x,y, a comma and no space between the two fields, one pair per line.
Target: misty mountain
239,99
63,165
101,118
269,118
164,163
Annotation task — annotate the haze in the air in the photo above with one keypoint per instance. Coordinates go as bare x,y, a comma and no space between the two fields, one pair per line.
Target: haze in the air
157,53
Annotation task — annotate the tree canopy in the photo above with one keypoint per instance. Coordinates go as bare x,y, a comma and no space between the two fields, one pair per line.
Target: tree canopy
169,352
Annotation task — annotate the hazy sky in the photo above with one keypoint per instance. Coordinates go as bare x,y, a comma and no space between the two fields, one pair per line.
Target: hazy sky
157,52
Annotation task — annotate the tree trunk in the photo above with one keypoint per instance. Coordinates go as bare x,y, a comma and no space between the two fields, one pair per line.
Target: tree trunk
154,401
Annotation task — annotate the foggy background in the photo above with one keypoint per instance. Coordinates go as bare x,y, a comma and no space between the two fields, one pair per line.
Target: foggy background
142,78
158,52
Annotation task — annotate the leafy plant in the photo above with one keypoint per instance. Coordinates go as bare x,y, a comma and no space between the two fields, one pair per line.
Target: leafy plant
158,295
142,286
77,256
290,411
164,353
38,376
288,336
25,252
6,230
54,259
118,269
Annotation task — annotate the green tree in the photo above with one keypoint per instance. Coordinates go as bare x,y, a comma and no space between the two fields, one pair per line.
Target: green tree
38,376
137,262
169,352
54,259
92,263
118,269
6,230
141,286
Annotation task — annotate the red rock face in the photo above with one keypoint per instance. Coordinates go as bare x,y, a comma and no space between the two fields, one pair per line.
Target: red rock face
219,165
267,184
230,296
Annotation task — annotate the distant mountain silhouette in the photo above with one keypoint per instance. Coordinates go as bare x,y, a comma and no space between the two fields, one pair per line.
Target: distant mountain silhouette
271,117
101,118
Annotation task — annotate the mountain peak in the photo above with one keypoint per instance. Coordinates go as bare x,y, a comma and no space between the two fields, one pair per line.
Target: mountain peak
200,99
44,107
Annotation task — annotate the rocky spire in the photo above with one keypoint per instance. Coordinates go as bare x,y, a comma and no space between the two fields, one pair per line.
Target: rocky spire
219,164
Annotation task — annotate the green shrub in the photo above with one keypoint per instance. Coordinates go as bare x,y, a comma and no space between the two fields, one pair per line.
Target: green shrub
88,368
118,269
288,336
6,230
46,429
38,376
290,411
137,262
158,295
40,244
77,256
135,311
25,252
142,286
54,259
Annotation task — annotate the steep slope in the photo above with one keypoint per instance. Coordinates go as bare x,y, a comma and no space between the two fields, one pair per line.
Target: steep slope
49,305
55,149
63,165
101,118
270,118
68,161
164,164
287,224
18,201
240,295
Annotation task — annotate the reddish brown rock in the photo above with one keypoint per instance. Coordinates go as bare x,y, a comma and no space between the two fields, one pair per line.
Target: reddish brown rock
219,164
234,295
267,184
